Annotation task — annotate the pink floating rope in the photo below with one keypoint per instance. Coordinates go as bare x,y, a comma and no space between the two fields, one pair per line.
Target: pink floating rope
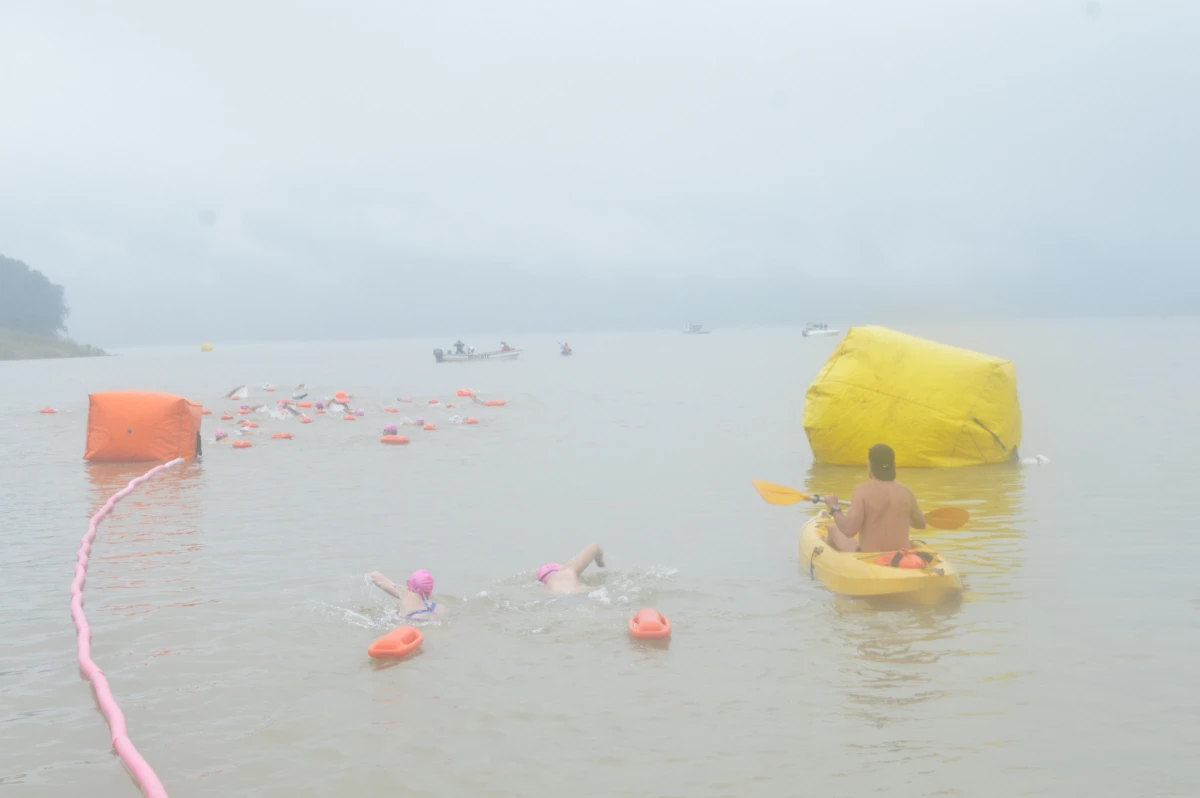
143,774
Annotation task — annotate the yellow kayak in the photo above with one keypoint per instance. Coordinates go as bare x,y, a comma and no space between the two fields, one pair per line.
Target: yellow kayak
857,574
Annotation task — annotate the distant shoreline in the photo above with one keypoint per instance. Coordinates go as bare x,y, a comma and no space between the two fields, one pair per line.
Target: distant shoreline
16,345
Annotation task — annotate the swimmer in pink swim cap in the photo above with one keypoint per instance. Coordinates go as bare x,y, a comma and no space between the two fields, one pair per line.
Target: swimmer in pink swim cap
564,579
416,597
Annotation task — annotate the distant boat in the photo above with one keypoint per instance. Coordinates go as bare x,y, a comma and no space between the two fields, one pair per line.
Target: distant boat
696,329
499,354
818,331
205,347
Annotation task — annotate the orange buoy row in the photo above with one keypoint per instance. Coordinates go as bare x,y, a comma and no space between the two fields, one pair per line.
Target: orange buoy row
396,644
395,440
649,624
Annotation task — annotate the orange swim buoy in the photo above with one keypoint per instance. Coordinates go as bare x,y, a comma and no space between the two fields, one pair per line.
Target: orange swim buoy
47,410
227,416
241,444
269,390
495,403
430,427
465,392
303,404
349,417
400,642
305,420
433,401
320,411
390,410
282,436
395,440
471,420
342,397
206,412
649,624
250,424
243,412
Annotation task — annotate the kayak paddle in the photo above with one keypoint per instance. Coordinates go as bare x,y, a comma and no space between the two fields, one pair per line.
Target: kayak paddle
938,518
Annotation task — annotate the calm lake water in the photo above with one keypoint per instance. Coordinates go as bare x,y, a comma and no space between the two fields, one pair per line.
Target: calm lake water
231,614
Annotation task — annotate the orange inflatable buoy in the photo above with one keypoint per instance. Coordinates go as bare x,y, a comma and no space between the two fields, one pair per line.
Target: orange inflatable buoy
250,424
320,411
390,410
349,417
303,404
395,440
649,624
227,416
47,410
465,392
305,420
430,427
243,412
342,397
471,420
433,401
282,436
206,412
495,403
242,444
269,390
398,643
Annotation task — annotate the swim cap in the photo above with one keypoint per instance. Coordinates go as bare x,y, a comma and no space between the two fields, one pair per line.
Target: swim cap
420,419
320,405
360,412
421,583
390,429
219,433
547,569
244,407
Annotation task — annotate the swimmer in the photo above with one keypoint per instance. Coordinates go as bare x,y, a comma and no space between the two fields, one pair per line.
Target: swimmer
564,579
237,393
416,597
390,429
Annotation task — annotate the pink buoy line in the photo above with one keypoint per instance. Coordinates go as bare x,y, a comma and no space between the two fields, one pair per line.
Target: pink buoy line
143,774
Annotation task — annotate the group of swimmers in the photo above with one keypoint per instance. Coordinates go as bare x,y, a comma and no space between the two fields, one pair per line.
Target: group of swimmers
416,596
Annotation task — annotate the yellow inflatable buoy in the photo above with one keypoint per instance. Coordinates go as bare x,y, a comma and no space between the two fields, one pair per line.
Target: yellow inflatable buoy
205,347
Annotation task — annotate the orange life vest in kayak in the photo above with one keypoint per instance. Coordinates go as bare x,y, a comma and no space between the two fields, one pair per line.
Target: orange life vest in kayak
905,558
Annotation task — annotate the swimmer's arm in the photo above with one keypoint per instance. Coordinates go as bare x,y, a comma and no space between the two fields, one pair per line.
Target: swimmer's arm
584,558
385,584
916,518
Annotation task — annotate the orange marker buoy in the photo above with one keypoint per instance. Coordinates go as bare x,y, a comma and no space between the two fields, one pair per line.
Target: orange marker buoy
390,410
227,416
241,444
243,412
649,624
47,410
395,440
495,403
303,404
250,424
471,420
320,411
282,436
305,420
430,427
206,412
433,401
348,417
398,643
342,397
465,392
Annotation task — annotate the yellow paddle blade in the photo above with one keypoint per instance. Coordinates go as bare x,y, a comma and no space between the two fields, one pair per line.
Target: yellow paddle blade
947,517
778,494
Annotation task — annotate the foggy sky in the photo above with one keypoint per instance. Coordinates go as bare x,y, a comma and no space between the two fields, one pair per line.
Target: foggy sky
280,169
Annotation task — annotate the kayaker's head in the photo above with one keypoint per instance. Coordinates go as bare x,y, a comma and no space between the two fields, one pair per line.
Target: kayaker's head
882,462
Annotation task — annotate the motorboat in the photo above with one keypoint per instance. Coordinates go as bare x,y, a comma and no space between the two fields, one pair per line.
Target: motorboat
818,331
696,329
469,355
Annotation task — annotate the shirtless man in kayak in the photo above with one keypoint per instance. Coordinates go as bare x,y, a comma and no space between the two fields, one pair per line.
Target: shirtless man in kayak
564,579
881,509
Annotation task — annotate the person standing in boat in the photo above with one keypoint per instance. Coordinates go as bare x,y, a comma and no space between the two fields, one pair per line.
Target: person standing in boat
566,349
459,348
881,509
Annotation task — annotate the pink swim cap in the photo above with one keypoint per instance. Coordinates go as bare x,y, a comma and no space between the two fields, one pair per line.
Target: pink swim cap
421,583
390,429
420,419
547,569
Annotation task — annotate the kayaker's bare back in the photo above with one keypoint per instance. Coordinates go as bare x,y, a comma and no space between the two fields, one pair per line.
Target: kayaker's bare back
881,510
